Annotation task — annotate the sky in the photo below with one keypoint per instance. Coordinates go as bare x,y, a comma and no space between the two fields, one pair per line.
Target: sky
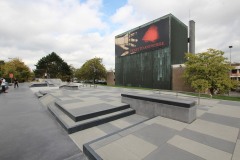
79,30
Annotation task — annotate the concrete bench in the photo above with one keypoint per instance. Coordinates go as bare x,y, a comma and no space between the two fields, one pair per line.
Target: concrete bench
151,106
69,87
38,84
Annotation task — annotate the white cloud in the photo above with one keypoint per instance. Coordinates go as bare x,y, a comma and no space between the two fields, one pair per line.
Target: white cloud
217,21
80,30
40,27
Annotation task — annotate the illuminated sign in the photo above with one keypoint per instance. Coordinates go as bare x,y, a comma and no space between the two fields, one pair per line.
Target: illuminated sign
152,36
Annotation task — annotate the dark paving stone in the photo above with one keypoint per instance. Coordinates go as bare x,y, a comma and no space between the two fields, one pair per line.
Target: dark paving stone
28,131
208,140
108,128
169,152
225,120
155,134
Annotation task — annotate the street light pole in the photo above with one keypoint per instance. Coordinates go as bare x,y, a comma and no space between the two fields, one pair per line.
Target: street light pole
230,47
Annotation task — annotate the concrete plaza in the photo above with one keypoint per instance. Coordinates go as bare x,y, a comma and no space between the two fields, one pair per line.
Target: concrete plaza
29,131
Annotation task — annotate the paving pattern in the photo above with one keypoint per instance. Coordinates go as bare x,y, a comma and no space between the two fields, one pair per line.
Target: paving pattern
214,135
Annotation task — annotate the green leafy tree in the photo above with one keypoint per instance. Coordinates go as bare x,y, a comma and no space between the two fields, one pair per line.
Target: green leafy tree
208,69
1,67
17,67
91,70
53,66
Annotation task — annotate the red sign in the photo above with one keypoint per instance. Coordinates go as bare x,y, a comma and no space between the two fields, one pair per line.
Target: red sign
10,75
142,39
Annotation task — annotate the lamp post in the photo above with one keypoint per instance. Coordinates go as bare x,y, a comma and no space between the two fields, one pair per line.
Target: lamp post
230,47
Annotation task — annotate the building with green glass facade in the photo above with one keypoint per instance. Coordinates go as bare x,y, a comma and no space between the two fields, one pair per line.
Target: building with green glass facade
145,54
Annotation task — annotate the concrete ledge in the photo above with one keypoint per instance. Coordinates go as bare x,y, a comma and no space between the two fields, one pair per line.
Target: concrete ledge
71,127
100,109
184,111
69,87
38,84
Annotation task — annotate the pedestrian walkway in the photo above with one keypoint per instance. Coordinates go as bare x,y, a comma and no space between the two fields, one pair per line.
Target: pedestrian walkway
29,132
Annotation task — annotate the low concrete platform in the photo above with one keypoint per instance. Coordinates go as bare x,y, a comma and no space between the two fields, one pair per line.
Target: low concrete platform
155,105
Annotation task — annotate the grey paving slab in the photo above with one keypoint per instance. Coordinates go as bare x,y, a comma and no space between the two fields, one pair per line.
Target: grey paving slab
169,152
214,129
155,134
229,121
236,154
105,141
199,149
108,128
232,103
70,101
28,131
132,129
135,119
90,109
204,107
208,140
107,100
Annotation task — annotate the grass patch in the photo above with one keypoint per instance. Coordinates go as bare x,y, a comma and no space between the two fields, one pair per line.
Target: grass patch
130,87
222,97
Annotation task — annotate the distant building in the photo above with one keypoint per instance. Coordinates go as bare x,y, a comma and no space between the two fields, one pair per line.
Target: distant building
235,72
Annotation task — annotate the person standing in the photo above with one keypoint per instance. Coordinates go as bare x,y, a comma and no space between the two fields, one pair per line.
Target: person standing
15,83
3,85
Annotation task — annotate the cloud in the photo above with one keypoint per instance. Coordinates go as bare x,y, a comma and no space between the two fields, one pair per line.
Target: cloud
40,27
79,30
217,21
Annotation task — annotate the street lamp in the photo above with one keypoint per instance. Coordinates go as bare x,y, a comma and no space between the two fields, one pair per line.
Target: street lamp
230,47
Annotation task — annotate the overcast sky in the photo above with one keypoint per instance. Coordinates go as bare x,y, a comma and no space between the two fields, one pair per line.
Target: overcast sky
78,30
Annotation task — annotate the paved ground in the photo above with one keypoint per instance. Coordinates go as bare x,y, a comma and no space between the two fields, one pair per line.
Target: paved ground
29,132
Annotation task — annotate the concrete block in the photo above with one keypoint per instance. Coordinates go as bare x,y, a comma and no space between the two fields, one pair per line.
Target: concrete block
151,109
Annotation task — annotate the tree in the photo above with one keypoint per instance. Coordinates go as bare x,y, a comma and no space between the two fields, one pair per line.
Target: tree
53,66
1,67
208,69
91,70
18,68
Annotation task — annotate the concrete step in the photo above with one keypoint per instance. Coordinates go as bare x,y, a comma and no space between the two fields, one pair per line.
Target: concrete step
71,126
39,95
83,113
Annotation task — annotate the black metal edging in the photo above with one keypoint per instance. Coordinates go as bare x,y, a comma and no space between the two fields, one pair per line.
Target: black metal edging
91,154
150,99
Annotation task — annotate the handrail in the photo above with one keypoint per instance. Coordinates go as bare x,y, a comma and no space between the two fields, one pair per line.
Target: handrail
183,94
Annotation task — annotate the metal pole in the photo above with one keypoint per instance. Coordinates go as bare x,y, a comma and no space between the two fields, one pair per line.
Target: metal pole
230,47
